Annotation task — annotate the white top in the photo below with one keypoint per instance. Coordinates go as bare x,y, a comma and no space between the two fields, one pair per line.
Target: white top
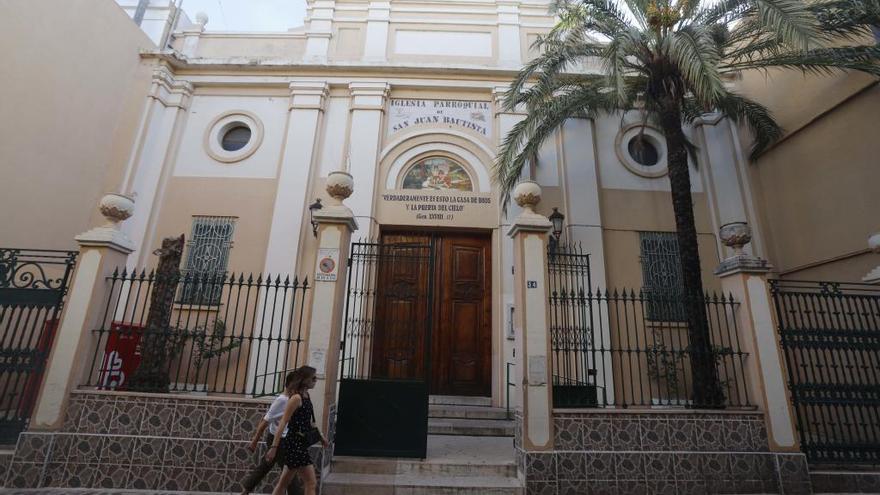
275,412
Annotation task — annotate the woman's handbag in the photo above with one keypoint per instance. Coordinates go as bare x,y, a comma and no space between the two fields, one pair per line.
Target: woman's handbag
312,435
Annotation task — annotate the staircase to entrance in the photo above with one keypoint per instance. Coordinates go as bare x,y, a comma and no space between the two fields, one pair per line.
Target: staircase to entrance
470,451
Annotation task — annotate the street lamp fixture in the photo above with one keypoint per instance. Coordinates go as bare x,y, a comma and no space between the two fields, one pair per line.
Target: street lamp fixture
557,219
312,208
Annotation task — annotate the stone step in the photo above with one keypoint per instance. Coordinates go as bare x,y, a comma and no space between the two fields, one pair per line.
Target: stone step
414,484
468,412
460,400
470,427
362,465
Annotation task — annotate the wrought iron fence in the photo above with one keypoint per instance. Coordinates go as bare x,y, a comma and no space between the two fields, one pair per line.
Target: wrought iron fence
830,335
33,284
240,345
608,351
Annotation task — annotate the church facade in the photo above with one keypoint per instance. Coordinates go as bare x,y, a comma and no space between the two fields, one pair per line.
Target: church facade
354,156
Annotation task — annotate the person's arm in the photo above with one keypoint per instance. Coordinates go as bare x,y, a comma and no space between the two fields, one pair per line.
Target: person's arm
292,405
261,427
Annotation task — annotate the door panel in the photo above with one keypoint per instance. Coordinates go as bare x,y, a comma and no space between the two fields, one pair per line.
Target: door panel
461,341
401,312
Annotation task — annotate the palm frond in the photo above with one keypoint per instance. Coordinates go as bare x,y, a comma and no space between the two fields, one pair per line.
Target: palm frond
790,20
821,61
525,138
764,128
846,19
694,52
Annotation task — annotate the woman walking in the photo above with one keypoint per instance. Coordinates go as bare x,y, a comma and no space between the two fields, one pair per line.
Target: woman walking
297,421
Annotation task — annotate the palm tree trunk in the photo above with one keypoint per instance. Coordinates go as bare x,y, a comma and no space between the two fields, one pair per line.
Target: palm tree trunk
707,391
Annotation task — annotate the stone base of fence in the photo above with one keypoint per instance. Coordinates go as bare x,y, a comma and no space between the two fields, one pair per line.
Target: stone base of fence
122,440
845,481
658,452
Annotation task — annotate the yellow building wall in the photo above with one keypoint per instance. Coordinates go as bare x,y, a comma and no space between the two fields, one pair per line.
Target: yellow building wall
69,112
817,189
625,213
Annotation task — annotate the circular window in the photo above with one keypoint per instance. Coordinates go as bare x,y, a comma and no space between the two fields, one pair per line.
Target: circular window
233,136
236,137
642,150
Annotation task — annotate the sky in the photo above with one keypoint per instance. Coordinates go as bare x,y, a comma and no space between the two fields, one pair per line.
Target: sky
248,15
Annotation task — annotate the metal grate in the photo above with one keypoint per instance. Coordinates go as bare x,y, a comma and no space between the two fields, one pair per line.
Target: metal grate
661,276
207,259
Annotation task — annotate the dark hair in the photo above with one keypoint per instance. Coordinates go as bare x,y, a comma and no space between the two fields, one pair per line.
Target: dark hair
288,381
299,375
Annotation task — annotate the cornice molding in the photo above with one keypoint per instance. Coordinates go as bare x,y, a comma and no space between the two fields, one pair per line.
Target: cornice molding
308,95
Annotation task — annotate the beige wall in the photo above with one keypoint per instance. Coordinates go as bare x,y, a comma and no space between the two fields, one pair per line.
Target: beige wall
70,110
817,190
250,200
625,213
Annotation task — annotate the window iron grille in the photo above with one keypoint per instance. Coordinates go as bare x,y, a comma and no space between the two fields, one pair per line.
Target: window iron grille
206,260
661,276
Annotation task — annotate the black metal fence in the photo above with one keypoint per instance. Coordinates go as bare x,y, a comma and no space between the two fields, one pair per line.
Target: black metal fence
608,351
240,344
830,334
33,284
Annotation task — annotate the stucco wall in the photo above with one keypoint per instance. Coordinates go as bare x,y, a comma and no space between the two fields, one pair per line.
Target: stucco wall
70,107
817,189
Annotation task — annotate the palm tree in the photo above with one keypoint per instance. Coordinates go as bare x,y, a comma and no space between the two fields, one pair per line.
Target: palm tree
670,60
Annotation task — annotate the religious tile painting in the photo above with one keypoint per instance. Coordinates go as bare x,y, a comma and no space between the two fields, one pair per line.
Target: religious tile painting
437,173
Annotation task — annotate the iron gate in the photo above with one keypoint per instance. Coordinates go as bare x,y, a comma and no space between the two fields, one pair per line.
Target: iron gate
33,283
830,334
385,351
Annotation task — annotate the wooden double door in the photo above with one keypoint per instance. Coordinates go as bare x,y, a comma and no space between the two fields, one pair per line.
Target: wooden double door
457,310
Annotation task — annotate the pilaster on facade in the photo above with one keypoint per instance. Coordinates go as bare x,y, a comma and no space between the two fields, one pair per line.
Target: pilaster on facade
509,46
191,36
378,20
369,95
170,91
320,30
499,94
309,95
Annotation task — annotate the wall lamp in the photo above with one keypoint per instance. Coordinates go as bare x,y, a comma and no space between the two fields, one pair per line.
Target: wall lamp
312,208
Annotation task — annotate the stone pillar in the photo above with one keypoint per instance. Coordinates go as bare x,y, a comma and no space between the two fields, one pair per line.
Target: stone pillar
149,164
745,278
509,42
102,250
335,225
530,233
367,109
320,30
307,102
191,35
378,19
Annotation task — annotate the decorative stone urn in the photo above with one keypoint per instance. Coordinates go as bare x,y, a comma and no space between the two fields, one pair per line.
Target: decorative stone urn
339,185
116,208
874,242
736,235
527,195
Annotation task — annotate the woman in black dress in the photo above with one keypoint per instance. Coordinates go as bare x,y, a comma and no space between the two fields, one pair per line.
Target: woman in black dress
298,419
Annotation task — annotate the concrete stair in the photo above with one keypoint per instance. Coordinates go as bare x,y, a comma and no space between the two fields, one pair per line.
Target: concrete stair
467,416
470,452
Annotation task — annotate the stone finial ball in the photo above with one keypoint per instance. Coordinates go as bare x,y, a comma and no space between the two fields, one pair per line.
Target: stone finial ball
735,234
527,194
339,185
874,242
116,207
201,18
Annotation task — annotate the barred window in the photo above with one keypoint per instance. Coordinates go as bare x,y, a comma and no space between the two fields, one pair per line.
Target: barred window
661,276
206,260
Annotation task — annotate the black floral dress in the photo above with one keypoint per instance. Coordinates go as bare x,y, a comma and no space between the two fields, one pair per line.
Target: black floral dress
296,452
